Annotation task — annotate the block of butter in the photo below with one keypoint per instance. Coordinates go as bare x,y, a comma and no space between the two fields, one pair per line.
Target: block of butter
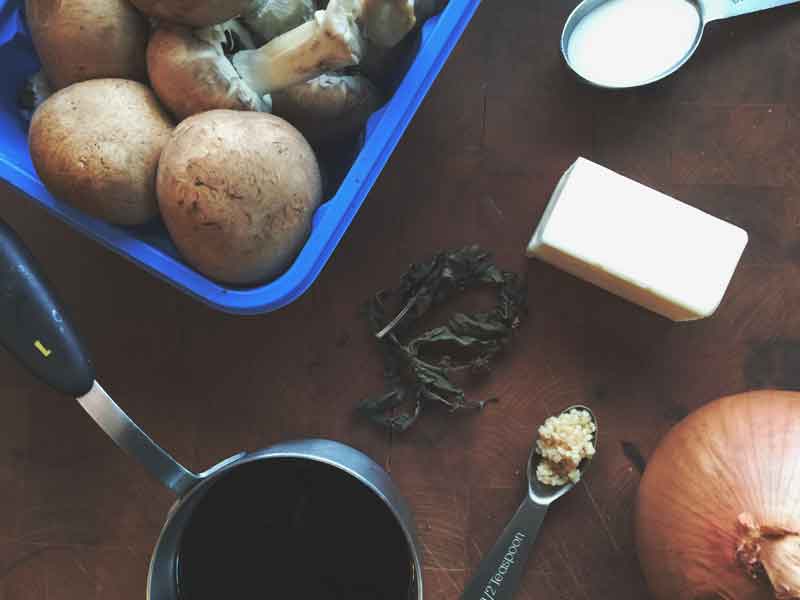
638,243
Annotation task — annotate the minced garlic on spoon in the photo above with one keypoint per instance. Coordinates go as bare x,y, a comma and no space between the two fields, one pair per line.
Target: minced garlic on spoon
564,441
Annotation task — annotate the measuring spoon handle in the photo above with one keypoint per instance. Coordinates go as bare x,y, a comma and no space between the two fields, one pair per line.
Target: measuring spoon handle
500,571
714,10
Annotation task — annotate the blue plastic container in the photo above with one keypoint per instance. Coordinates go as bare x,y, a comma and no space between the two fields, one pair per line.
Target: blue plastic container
150,246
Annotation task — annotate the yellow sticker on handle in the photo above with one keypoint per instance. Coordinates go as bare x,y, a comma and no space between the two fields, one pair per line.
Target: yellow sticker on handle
40,347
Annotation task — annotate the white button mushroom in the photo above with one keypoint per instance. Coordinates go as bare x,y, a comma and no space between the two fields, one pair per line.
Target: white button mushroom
78,40
195,13
96,145
190,72
329,107
237,191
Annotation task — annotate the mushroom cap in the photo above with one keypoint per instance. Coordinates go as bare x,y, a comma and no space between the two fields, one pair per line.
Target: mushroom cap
192,75
386,22
96,146
383,22
197,13
237,191
78,40
425,9
328,107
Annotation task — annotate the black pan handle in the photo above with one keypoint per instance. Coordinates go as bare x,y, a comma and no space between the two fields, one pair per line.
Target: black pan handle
33,326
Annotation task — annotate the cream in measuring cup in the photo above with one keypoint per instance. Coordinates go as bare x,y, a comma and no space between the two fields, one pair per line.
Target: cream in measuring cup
628,43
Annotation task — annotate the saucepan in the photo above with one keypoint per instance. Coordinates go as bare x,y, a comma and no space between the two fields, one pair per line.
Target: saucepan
302,519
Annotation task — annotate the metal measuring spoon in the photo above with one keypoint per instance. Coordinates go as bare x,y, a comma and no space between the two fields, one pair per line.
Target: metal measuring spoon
638,21
500,571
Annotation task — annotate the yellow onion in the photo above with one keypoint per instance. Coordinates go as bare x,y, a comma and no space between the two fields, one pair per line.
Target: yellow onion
718,512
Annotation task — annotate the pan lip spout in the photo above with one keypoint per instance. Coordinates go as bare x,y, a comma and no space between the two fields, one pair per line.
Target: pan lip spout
162,571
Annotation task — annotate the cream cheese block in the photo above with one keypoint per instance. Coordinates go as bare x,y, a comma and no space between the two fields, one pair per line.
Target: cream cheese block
638,243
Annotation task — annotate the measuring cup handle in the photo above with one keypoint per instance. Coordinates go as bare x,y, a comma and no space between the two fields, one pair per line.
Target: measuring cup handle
714,10
130,438
32,325
500,571
35,329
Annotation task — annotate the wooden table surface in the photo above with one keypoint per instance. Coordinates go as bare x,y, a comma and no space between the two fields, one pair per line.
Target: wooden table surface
478,163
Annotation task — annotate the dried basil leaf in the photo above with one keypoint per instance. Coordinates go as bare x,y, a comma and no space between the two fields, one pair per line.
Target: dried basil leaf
415,375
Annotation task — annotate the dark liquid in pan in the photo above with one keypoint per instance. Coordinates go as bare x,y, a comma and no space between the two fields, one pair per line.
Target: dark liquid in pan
296,530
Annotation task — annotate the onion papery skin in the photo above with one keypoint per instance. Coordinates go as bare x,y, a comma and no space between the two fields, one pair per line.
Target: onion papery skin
739,455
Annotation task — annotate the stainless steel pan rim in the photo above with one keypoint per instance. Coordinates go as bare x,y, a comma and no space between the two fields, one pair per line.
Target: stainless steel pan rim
313,449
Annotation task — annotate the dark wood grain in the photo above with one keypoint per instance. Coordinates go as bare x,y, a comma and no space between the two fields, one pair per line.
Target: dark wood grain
477,165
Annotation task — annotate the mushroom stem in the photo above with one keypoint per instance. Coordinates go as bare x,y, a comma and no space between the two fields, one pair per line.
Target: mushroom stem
328,42
383,22
270,18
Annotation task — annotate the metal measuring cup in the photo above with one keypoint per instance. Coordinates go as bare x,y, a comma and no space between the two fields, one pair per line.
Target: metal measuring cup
707,11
